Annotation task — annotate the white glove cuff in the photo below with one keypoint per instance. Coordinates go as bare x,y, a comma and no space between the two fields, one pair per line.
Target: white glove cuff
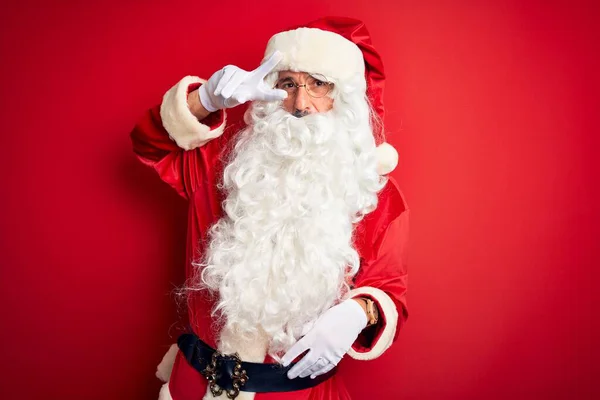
205,99
361,317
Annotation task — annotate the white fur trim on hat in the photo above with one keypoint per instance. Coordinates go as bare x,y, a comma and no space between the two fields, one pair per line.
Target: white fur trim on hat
183,127
387,158
388,309
317,51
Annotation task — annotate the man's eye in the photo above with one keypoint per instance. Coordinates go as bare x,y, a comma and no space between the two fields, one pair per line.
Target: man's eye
319,83
285,85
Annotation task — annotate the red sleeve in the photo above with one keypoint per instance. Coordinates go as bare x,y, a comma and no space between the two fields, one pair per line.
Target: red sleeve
383,274
154,147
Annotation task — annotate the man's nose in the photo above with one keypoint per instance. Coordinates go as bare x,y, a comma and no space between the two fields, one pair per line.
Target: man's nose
302,101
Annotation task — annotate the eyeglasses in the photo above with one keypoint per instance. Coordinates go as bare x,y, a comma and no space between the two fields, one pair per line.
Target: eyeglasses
316,86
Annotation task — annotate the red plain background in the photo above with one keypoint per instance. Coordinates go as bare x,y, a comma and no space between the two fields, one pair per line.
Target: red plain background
489,103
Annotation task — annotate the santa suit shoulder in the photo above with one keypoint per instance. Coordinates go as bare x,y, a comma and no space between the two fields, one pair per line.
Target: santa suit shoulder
181,149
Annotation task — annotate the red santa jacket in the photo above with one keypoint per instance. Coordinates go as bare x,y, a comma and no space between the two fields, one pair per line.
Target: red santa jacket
188,155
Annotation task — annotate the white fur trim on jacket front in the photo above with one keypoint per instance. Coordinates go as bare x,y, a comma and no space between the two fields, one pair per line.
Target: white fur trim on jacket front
164,369
183,127
318,51
164,393
254,350
390,313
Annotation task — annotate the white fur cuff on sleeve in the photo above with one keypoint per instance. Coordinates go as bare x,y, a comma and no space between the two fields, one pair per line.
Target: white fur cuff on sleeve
388,310
183,127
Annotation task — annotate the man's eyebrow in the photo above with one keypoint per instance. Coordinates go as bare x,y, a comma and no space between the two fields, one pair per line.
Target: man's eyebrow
285,78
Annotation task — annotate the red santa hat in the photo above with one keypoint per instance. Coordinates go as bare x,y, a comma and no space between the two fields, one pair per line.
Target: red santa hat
339,48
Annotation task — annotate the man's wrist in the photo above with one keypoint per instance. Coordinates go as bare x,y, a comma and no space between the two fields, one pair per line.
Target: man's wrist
369,308
361,316
195,106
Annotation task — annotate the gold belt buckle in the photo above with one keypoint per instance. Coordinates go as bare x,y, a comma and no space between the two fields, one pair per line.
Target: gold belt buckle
239,377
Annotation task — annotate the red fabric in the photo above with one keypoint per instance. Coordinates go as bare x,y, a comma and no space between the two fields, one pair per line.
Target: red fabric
370,335
382,240
194,175
356,31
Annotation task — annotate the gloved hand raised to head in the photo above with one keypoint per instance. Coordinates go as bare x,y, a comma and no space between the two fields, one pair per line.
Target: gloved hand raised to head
329,339
232,86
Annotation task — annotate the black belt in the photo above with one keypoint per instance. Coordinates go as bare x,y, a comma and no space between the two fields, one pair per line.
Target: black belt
230,374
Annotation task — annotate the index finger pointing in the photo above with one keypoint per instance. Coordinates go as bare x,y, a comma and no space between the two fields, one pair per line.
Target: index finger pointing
270,64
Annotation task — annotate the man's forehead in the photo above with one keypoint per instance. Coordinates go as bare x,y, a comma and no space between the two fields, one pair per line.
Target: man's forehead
292,74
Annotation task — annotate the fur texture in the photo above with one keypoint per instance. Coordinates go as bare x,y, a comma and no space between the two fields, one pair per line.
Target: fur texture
387,158
309,50
389,311
163,370
183,127
282,253
164,393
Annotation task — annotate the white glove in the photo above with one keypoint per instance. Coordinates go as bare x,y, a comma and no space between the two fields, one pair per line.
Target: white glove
232,86
328,341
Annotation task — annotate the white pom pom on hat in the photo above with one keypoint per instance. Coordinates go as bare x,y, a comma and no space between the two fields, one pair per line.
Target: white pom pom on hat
387,158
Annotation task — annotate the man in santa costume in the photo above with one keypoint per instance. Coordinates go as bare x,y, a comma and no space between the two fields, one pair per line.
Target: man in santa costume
296,235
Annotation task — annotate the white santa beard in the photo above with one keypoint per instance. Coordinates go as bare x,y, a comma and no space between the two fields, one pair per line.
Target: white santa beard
282,253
